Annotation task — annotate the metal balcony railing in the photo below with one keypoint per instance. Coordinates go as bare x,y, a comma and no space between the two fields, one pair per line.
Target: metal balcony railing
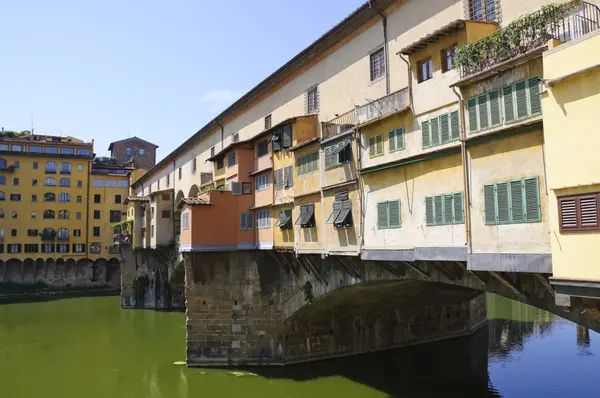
383,106
339,125
564,22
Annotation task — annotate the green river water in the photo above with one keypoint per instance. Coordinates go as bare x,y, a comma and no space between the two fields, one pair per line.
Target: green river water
88,347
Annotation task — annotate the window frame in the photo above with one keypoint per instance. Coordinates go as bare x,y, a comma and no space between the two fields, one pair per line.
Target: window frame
388,224
510,205
306,165
375,75
312,100
577,197
450,50
429,69
397,132
443,216
427,130
375,153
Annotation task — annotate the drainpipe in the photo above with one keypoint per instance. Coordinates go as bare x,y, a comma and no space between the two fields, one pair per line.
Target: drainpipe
410,95
174,204
463,152
361,190
385,46
87,210
222,132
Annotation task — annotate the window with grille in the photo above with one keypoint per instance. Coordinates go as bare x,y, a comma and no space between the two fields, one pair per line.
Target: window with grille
445,209
512,202
579,213
440,130
482,10
220,163
388,215
312,100
268,122
377,63
520,100
375,146
308,164
425,70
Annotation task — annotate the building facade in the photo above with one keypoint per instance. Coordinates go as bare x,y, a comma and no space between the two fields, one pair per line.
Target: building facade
141,153
412,131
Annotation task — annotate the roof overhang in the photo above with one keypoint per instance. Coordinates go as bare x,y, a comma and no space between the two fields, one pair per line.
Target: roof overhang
433,37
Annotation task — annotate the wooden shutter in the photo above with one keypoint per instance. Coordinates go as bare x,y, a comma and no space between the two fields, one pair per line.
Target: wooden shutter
382,215
534,95
494,101
392,140
438,212
459,212
400,138
472,110
579,213
371,146
516,201
509,105
503,202
532,199
448,209
445,128
483,112
425,133
588,212
394,214
379,143
489,202
429,216
435,131
454,125
337,208
328,157
567,211
521,90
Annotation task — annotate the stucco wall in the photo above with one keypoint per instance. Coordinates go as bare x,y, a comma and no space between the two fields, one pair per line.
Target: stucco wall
342,240
309,239
307,183
283,239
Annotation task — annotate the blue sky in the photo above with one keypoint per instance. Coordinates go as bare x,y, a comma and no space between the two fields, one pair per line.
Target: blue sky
109,69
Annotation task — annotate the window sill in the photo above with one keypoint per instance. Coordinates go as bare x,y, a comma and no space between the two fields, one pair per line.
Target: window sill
398,150
377,80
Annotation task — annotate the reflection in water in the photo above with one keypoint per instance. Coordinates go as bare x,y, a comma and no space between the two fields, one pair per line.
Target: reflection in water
89,347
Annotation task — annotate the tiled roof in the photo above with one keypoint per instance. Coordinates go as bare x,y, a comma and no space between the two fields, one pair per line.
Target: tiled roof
137,199
304,143
193,202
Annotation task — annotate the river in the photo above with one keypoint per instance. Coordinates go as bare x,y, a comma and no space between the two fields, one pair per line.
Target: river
88,347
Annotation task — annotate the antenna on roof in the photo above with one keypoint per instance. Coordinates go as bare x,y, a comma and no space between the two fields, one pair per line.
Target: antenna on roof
32,122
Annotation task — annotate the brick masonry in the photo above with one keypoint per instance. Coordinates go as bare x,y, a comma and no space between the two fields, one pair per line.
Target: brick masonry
143,162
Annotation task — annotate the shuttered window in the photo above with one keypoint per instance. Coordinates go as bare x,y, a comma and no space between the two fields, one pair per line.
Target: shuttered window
512,202
278,179
396,139
246,221
308,164
440,130
579,212
445,209
338,153
388,215
516,101
375,146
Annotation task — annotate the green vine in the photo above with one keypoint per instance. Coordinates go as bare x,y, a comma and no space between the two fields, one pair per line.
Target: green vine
517,37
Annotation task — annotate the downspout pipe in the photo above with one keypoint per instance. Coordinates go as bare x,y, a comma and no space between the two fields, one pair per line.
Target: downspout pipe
463,152
410,94
386,48
222,132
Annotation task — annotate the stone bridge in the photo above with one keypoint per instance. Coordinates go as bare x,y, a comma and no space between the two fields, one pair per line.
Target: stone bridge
267,307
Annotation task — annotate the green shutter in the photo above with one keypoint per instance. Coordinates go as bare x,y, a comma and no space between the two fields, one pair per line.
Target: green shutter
435,132
448,209
425,133
394,214
534,95
532,199
371,146
382,215
438,209
516,200
472,109
429,219
483,112
445,128
400,138
489,202
392,140
494,107
508,100
459,213
521,90
503,202
379,144
454,126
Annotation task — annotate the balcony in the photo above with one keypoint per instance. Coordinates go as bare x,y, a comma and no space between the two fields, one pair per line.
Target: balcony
339,125
382,107
527,34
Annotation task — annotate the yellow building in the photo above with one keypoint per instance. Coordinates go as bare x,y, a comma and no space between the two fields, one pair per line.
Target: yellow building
570,101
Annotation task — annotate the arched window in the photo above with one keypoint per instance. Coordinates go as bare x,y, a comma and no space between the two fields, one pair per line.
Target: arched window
64,197
50,182
63,234
64,182
3,163
49,197
63,214
2,180
1,213
49,214
65,168
2,196
48,234
1,234
50,167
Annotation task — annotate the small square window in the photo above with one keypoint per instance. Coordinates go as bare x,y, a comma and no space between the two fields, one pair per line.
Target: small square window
425,70
96,214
